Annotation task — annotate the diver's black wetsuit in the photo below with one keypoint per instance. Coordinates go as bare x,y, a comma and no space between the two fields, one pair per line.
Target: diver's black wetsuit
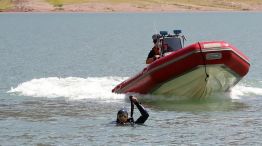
141,119
144,114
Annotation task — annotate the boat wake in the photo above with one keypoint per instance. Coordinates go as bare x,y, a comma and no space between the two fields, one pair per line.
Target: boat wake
75,88
72,88
246,90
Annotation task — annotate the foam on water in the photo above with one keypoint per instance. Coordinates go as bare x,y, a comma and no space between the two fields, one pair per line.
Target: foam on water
244,90
73,88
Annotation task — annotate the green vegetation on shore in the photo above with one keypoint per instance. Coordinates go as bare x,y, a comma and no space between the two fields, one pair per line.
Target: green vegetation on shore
5,5
224,4
56,3
63,2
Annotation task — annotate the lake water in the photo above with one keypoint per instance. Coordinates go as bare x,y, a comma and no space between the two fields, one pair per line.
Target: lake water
58,69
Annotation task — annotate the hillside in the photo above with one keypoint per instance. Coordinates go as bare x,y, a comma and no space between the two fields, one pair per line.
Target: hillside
129,6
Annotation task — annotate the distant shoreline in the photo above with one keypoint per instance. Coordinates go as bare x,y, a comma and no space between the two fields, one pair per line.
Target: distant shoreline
118,12
128,7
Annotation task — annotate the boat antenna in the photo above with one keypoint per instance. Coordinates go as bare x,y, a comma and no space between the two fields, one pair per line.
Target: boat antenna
184,39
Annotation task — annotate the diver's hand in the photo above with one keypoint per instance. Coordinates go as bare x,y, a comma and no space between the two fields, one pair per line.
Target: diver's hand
134,99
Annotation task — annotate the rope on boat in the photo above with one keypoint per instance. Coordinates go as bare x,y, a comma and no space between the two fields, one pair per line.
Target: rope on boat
204,59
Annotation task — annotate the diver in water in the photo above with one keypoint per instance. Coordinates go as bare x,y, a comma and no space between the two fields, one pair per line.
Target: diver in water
122,115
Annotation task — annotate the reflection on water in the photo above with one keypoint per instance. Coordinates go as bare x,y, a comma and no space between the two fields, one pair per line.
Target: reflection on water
183,104
43,109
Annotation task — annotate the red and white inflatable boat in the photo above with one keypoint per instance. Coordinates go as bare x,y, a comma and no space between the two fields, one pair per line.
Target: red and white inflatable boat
197,70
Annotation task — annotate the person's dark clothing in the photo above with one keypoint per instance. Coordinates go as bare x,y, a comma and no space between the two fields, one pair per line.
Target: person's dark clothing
141,119
151,54
144,114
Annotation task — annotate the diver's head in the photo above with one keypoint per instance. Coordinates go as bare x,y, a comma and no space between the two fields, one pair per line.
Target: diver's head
122,116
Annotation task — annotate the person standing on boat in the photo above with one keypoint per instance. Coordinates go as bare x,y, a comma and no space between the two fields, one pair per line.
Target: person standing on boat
154,54
122,114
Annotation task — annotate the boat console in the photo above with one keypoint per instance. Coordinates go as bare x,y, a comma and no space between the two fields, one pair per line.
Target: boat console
171,42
